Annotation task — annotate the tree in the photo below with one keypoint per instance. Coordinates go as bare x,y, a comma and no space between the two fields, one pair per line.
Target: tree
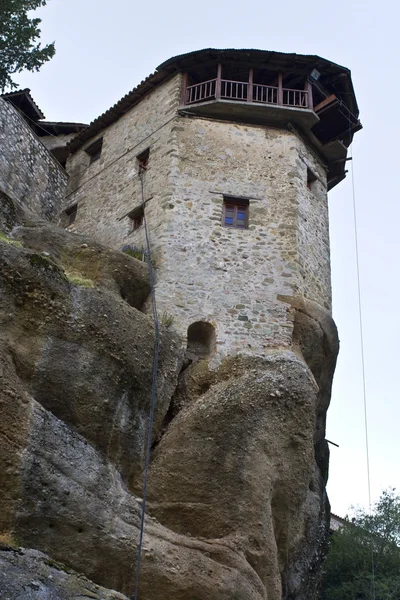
365,544
18,36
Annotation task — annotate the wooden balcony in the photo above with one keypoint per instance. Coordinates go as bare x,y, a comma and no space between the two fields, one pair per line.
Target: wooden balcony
244,91
250,101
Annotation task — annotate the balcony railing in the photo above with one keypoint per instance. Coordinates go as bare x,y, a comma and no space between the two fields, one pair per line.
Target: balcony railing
201,91
296,98
234,90
266,94
246,91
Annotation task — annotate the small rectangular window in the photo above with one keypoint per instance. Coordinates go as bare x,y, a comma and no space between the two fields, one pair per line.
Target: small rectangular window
143,160
137,222
136,218
94,150
71,214
311,179
235,212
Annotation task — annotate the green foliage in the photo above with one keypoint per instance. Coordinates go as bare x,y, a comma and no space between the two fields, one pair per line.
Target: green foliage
8,539
167,319
348,570
4,238
137,253
43,261
18,36
76,279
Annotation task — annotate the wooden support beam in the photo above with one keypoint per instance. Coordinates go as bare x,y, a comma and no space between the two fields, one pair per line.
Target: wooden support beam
250,87
218,83
308,87
185,79
280,89
329,100
333,443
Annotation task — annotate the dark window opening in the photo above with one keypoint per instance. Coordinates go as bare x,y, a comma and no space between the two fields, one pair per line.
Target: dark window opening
71,214
136,218
235,212
200,340
143,160
61,154
137,222
311,179
202,73
262,76
235,72
94,150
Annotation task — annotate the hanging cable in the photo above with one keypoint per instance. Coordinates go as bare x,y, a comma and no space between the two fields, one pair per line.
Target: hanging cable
36,123
360,315
153,387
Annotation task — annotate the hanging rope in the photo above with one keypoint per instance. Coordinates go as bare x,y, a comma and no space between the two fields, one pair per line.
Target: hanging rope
360,316
153,387
36,123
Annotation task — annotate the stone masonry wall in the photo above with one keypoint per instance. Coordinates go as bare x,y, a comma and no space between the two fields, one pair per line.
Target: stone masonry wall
230,277
109,188
206,272
313,249
28,172
57,141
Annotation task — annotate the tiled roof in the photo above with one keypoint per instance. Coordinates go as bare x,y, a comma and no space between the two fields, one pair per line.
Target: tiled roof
176,64
23,100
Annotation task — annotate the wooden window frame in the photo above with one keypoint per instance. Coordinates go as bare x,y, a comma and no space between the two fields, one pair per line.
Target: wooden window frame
143,160
137,222
136,218
71,213
311,179
238,204
94,150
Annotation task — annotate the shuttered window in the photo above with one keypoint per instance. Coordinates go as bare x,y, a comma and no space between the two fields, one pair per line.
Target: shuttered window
235,212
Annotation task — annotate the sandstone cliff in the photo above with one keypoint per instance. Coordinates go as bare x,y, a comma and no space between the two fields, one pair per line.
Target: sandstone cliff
237,504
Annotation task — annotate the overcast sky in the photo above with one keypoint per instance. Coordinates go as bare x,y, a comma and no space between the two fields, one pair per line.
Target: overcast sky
105,48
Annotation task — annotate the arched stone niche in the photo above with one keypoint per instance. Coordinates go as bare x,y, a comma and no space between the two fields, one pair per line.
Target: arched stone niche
201,340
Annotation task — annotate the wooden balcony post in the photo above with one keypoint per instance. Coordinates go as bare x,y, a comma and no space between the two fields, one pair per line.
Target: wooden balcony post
280,89
308,87
218,84
250,87
184,89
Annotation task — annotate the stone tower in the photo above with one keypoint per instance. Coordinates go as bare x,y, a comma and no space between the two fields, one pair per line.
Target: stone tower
237,150
223,160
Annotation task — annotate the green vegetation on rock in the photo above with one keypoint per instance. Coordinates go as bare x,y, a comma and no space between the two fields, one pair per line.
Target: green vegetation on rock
348,570
4,238
77,279
167,319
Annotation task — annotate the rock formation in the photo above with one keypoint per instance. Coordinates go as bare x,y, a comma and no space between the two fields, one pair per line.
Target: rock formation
236,499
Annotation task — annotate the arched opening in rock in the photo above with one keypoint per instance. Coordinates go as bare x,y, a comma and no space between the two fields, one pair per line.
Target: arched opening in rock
200,340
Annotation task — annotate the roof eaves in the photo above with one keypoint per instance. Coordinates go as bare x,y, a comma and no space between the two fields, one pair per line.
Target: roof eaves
337,517
118,109
27,93
60,127
265,55
182,61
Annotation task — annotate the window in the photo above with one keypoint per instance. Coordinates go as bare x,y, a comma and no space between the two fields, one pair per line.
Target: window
94,150
136,217
143,160
235,212
71,214
311,179
137,222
